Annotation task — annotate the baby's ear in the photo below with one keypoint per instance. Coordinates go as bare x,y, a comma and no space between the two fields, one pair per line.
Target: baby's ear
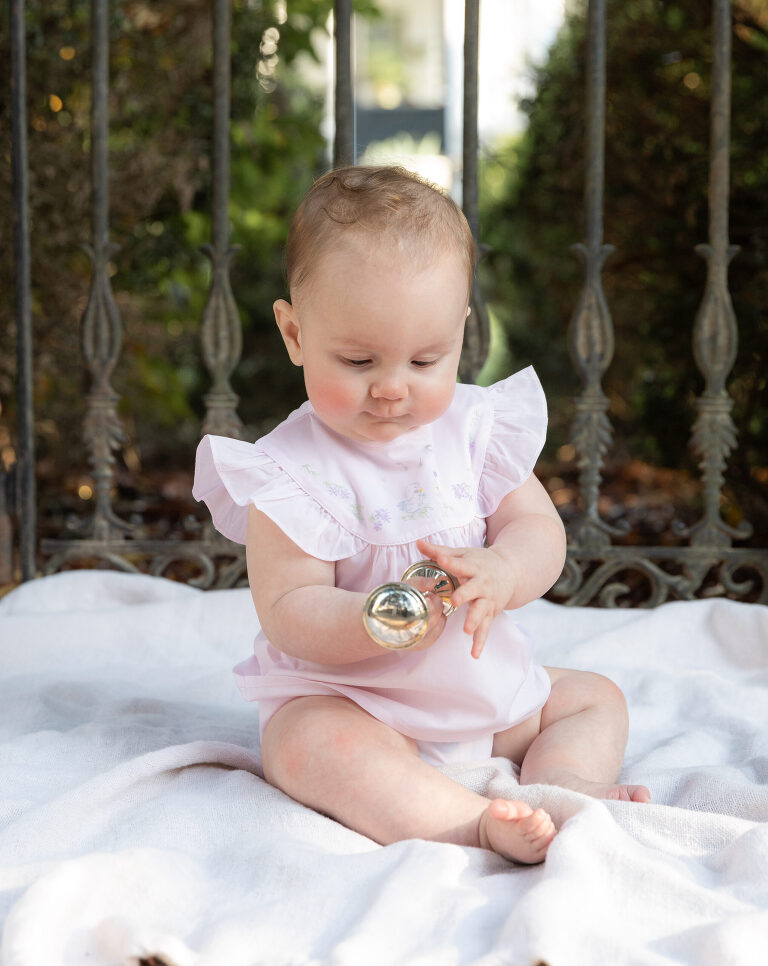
285,316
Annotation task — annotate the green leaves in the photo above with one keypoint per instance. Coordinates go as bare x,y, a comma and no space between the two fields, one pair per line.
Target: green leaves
656,171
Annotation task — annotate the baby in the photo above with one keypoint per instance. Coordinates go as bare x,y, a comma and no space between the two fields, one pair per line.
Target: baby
390,461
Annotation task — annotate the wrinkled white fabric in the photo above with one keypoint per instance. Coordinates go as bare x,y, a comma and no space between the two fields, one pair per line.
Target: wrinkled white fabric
134,821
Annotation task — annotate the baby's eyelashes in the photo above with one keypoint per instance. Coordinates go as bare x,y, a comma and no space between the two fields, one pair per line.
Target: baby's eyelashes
361,363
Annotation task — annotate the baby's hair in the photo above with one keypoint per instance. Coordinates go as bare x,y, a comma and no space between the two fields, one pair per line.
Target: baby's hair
372,205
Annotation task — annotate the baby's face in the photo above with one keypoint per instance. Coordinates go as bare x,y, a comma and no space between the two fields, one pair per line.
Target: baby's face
379,340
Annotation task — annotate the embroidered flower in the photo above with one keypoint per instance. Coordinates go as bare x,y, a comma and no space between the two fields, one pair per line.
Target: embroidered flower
357,509
379,518
462,491
339,491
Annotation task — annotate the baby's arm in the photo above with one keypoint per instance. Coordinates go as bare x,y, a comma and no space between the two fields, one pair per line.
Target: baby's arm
524,557
300,610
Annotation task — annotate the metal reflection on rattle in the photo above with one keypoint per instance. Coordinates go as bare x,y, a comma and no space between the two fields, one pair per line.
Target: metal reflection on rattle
396,614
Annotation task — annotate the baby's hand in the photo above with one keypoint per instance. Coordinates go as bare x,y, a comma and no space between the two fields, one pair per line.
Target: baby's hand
486,583
437,618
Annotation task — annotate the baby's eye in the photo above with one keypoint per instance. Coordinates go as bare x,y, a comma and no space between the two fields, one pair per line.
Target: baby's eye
423,363
356,362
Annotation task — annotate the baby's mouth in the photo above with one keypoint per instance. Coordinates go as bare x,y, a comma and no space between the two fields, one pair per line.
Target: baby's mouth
389,417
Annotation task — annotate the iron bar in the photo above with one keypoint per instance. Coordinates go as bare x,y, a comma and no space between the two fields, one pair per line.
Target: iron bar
590,336
222,84
101,326
469,187
221,334
24,470
343,105
477,335
715,333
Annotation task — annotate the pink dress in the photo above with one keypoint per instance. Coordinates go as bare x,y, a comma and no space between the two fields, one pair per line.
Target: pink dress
364,506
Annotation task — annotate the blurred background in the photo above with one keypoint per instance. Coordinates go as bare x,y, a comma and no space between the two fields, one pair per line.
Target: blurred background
407,78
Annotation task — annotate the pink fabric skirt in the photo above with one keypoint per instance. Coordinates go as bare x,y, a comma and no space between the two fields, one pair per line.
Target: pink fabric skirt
440,695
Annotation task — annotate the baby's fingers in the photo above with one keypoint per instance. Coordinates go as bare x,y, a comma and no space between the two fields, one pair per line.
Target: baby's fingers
480,636
474,616
437,552
478,623
471,589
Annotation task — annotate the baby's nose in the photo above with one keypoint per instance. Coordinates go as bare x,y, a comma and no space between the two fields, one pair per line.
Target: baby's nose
390,385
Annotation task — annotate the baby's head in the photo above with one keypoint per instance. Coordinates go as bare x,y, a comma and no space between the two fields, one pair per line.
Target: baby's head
373,208
379,266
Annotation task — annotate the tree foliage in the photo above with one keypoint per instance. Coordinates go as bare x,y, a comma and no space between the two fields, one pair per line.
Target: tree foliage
659,57
160,150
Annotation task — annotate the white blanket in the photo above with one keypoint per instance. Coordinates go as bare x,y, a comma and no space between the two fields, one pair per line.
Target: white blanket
134,822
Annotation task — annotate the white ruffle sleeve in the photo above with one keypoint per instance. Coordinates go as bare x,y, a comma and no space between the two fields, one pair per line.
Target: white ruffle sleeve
516,438
230,475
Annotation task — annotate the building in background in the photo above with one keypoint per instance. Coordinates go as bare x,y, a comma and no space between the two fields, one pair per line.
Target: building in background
408,67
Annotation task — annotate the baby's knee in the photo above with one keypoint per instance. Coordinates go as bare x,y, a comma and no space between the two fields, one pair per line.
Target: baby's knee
574,691
303,736
611,695
602,692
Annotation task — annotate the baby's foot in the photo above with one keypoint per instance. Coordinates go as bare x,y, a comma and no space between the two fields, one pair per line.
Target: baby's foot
626,793
516,831
619,793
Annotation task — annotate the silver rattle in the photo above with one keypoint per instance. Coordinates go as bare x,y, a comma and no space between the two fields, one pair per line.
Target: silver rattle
396,614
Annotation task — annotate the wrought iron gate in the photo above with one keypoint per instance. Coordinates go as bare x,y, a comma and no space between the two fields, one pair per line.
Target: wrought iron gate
596,567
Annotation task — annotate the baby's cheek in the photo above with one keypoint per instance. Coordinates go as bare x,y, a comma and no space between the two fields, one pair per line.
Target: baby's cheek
437,401
330,396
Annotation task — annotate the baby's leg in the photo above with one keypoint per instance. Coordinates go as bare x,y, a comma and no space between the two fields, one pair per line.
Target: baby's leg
577,741
329,754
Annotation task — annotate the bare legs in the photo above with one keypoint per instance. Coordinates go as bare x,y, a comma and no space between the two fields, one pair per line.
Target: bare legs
329,754
577,741
334,757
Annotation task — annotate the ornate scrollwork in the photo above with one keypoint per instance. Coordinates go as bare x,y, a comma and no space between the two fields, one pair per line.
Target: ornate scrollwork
715,341
641,576
71,552
221,338
206,564
590,340
102,429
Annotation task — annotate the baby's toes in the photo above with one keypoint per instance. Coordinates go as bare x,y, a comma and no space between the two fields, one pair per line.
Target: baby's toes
538,827
508,810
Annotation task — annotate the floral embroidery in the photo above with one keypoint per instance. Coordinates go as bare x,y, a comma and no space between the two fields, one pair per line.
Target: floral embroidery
357,509
462,491
308,469
337,490
379,518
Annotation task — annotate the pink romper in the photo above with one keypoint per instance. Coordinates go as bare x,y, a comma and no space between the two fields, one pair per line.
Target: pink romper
364,506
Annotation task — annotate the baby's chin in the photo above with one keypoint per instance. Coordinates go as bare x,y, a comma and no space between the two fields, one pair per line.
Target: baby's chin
376,431
385,432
